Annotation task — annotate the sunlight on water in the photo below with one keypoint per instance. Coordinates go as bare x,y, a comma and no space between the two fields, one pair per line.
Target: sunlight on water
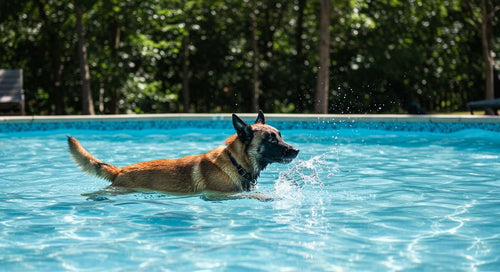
351,201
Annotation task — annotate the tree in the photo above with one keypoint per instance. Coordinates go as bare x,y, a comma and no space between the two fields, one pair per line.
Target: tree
185,72
484,21
54,48
321,105
160,56
87,101
255,63
486,45
299,57
112,11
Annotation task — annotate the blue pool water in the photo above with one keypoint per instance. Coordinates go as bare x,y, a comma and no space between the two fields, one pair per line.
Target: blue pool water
354,200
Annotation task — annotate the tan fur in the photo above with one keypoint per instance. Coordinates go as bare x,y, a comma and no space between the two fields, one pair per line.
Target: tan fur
211,171
89,163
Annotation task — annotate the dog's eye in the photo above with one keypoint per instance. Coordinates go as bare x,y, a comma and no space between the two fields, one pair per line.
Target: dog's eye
273,138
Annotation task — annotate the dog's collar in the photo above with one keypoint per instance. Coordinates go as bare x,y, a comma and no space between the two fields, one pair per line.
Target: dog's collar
249,180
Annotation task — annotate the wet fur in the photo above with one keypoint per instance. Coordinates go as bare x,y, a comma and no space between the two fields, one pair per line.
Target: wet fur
211,171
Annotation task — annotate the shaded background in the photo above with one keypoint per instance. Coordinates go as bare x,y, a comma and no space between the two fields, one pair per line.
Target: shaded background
156,56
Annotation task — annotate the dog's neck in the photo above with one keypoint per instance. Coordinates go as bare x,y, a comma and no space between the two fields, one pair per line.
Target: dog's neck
249,180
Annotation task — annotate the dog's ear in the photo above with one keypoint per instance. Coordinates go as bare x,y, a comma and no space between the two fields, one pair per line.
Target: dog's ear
260,118
243,129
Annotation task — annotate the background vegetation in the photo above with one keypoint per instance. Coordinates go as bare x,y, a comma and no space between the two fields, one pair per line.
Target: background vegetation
209,55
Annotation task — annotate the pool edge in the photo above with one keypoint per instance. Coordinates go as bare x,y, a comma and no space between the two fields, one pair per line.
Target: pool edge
270,117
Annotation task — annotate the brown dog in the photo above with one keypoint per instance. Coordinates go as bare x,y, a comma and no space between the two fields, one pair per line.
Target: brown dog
231,168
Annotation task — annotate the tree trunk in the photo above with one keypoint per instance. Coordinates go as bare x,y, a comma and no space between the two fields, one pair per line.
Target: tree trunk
255,64
321,103
186,93
56,66
486,42
115,91
58,91
87,101
299,58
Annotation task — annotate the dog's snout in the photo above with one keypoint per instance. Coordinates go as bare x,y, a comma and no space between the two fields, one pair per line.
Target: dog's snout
291,152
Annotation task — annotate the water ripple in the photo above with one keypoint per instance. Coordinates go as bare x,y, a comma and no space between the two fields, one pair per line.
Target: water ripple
350,202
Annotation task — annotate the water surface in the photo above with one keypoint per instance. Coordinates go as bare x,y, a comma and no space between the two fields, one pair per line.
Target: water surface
354,200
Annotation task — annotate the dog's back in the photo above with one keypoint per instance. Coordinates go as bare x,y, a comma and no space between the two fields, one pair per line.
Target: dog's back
231,168
190,174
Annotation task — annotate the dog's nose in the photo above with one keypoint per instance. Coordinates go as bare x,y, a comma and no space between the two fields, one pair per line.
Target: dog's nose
291,152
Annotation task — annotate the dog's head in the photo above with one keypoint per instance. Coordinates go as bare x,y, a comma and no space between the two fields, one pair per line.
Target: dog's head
263,143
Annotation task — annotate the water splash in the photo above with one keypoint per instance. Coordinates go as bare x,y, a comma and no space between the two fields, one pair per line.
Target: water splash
309,173
302,199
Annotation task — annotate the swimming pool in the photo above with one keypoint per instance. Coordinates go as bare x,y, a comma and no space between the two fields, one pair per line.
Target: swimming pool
372,194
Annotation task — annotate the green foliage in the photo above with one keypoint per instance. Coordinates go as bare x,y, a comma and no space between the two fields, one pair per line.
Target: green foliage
384,54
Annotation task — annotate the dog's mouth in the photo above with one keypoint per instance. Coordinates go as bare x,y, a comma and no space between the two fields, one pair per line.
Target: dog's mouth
283,153
291,153
288,155
286,160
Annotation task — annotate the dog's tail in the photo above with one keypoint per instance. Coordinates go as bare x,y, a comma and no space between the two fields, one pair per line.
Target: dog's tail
89,163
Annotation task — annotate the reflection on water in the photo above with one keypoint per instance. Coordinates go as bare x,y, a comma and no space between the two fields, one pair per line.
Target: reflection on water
360,201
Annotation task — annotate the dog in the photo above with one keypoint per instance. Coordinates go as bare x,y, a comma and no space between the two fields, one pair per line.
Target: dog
232,168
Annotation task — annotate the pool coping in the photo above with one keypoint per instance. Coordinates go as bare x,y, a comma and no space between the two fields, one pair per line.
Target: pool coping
271,117
410,123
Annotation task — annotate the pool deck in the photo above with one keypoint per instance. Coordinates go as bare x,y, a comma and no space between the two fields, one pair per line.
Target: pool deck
270,117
